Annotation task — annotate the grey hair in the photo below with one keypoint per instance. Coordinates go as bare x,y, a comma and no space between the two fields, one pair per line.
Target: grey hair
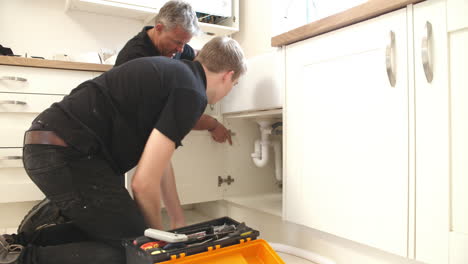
178,13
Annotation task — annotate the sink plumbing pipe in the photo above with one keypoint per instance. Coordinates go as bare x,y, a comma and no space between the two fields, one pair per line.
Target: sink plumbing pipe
261,149
301,253
277,148
260,156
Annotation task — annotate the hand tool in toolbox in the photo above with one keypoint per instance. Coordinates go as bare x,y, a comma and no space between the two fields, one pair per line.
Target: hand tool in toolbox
187,241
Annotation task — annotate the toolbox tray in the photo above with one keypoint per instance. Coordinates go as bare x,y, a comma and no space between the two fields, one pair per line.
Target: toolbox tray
136,255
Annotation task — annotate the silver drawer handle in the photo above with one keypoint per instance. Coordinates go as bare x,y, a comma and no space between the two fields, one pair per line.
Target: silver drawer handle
13,78
426,52
13,102
11,158
389,59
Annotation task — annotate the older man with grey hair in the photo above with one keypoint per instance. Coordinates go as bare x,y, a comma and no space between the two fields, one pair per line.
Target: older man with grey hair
175,25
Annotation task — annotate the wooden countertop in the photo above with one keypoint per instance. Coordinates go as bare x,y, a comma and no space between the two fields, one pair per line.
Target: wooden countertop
54,64
370,9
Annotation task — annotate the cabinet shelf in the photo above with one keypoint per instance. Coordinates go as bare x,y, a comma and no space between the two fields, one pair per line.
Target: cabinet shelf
147,13
271,203
273,113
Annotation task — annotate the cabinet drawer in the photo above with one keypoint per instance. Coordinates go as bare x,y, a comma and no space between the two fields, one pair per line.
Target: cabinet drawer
16,186
38,80
17,112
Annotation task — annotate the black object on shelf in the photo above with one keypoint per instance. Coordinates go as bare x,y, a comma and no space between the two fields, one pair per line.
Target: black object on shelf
5,51
210,19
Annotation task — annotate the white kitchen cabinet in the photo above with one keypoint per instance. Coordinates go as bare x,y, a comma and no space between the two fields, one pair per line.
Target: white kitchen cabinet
346,128
24,93
262,86
386,170
431,130
145,10
17,111
17,79
458,64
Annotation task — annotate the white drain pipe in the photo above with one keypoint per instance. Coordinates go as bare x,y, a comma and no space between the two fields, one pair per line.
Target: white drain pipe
277,148
260,156
301,253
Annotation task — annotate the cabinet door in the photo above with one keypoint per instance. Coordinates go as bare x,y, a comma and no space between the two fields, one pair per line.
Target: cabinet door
347,133
458,64
197,166
431,131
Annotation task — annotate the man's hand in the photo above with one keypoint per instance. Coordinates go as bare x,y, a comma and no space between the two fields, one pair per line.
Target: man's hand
220,134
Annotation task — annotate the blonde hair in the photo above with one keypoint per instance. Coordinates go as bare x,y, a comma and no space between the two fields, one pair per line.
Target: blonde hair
178,13
223,54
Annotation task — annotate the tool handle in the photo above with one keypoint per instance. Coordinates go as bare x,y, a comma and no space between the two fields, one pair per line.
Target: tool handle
165,236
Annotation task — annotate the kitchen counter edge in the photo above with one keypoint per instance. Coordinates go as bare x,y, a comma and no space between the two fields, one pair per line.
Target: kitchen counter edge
370,9
54,64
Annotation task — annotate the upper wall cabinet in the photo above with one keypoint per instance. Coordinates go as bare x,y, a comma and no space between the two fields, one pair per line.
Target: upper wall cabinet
218,17
261,88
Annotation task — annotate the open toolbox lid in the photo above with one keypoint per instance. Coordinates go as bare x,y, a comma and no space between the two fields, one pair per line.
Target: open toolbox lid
238,233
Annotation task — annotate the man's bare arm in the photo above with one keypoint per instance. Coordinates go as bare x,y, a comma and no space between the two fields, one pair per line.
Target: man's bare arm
146,183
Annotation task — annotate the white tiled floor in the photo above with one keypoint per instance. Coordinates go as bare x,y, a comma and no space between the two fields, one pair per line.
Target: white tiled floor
290,259
191,217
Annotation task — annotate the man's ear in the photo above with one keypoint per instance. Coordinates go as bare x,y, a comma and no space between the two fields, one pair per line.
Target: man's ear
159,27
227,76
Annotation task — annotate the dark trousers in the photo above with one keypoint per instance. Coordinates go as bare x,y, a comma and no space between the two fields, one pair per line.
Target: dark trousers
89,193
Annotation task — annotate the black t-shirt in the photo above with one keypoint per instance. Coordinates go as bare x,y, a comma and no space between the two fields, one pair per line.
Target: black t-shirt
116,112
141,46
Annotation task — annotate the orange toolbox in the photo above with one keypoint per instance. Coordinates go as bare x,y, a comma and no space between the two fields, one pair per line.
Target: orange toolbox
218,241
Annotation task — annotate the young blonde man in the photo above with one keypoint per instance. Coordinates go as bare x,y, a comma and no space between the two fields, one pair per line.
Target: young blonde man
78,150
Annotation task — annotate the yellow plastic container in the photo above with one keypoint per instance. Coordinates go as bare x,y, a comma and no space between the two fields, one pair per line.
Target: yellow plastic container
250,252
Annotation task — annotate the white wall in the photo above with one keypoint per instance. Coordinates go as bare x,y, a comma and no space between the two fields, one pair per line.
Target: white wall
255,23
43,28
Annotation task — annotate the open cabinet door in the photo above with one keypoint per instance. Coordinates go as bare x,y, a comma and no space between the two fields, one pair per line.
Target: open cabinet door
197,165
